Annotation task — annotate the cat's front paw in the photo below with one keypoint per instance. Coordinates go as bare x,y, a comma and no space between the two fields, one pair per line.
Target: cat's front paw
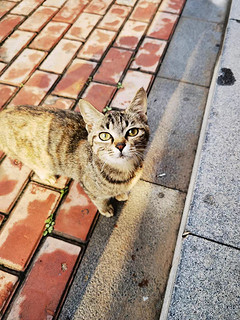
109,212
122,197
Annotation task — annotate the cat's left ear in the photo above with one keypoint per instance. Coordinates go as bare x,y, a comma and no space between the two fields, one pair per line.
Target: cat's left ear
139,103
90,114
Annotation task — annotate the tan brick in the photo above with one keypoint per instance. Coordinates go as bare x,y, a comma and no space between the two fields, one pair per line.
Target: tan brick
98,6
35,89
60,56
149,55
83,26
14,44
22,67
75,78
114,18
162,26
132,82
49,36
7,24
6,6
70,10
131,34
144,11
25,7
38,19
96,44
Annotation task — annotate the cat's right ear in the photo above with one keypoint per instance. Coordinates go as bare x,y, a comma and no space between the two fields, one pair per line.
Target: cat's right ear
139,102
89,113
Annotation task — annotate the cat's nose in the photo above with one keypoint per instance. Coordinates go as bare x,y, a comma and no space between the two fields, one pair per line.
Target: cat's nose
120,145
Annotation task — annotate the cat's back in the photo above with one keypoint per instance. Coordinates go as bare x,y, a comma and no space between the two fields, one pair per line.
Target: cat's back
39,126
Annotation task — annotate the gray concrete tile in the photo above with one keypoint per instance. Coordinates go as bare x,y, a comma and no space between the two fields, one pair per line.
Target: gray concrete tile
235,10
214,211
192,52
124,271
175,112
207,283
214,11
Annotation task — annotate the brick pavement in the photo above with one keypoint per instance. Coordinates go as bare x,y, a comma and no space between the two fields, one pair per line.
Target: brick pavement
52,53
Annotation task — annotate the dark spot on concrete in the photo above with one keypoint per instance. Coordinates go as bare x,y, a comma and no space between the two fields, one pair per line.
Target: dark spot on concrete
161,195
226,77
133,257
143,283
209,199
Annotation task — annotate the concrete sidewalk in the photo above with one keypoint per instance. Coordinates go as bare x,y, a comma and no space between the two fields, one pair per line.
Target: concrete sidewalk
204,282
55,52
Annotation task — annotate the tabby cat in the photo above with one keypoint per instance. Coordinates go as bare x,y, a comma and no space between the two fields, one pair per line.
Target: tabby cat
103,152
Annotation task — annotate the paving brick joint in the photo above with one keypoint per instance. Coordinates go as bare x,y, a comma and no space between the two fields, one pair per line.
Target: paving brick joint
53,53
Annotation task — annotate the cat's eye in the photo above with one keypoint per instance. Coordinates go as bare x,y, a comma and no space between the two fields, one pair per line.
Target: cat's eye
104,136
132,132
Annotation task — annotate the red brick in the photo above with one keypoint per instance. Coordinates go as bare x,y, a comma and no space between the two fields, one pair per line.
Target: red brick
115,17
149,55
83,26
45,283
38,19
162,26
61,56
7,24
173,6
144,11
2,66
75,78
113,65
49,36
132,82
70,10
96,44
23,230
35,89
14,44
56,102
98,6
99,95
76,214
7,286
13,178
22,67
54,3
5,93
6,6
25,7
131,34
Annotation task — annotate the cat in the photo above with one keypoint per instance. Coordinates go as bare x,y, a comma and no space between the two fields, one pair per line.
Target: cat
103,152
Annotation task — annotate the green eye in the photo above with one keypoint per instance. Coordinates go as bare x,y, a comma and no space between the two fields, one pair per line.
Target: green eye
104,136
132,132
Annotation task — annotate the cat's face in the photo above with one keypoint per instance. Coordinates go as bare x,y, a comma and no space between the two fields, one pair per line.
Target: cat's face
119,138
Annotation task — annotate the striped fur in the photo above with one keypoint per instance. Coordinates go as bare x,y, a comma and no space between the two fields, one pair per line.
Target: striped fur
59,142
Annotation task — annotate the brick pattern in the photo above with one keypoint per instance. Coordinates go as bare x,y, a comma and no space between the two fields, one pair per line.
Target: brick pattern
52,53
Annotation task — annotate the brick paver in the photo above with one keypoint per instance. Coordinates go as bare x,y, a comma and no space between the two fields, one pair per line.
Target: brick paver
53,53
